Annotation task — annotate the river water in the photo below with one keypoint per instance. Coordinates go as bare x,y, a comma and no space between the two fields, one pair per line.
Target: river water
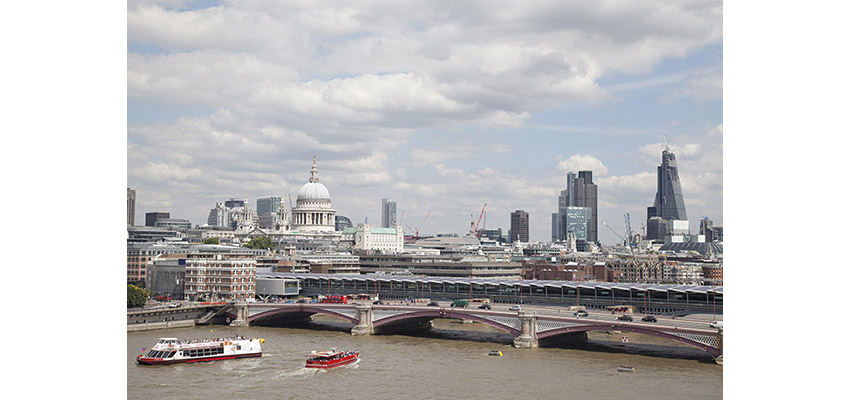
451,361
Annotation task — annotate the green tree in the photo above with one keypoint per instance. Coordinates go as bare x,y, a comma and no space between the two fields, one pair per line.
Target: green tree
259,243
212,241
136,296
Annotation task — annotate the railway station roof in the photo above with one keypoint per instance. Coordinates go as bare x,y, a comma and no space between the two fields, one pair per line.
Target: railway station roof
507,282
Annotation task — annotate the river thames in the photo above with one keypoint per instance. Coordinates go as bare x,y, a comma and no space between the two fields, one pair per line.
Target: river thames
451,361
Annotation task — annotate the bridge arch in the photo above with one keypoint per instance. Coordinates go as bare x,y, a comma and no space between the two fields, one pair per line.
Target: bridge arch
629,328
302,309
433,314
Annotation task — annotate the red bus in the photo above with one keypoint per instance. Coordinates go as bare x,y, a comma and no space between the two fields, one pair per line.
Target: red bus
335,299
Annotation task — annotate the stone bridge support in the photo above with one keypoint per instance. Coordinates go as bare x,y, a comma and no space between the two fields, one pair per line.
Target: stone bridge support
240,309
364,316
528,328
719,359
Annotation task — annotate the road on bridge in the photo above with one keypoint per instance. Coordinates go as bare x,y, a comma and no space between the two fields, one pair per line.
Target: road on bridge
701,322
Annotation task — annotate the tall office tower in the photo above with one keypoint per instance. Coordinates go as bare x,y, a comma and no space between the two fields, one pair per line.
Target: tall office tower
268,205
669,202
556,226
519,226
566,199
585,196
388,214
131,207
152,217
705,229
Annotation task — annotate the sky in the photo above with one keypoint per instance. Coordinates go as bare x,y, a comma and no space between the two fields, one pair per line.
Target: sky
440,106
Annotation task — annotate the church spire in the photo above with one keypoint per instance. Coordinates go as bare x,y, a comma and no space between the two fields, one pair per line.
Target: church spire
314,172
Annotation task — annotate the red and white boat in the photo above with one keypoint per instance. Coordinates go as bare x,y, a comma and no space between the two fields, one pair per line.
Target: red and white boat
332,358
173,351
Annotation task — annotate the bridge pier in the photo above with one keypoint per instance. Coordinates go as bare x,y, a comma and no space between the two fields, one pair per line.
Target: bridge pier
528,328
364,316
719,359
241,311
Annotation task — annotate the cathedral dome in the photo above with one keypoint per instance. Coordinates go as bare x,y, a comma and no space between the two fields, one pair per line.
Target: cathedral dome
313,191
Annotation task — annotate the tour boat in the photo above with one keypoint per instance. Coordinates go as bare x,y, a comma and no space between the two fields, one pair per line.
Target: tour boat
173,351
623,368
332,358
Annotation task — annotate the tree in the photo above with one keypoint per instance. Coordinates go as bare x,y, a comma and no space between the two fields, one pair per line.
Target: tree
214,240
136,296
259,243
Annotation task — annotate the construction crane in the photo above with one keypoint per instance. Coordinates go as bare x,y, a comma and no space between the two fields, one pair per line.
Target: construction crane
625,242
477,233
416,231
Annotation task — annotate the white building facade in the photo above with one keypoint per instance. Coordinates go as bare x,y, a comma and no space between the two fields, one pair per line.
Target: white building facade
386,240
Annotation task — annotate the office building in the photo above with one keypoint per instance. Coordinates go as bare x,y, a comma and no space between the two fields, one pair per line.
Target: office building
669,203
388,213
267,208
219,216
131,207
233,203
519,226
268,205
385,240
173,223
580,192
585,196
341,222
152,217
556,227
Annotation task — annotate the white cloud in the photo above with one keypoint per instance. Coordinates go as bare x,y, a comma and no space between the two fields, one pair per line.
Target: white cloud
352,83
583,162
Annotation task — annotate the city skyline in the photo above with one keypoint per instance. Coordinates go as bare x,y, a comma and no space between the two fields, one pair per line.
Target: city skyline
392,111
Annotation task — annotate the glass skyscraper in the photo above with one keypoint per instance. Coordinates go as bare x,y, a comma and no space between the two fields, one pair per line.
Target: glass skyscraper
669,202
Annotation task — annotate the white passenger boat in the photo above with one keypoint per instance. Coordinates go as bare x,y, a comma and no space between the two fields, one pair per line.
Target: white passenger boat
173,351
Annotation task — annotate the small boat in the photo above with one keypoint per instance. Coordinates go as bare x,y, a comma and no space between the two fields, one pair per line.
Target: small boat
331,358
625,369
495,353
173,351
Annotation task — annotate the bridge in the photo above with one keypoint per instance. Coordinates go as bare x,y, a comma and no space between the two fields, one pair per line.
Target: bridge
527,327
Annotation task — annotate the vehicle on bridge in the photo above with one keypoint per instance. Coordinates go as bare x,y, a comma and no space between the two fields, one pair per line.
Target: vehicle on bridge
649,318
460,303
485,306
515,308
580,313
625,318
716,324
332,358
365,297
433,304
173,351
335,299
